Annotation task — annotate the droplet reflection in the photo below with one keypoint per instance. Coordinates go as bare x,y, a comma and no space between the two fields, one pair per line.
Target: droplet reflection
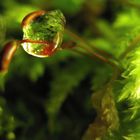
43,34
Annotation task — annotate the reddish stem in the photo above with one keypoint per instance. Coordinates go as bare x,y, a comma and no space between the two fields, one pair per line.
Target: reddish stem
30,17
35,41
48,48
7,54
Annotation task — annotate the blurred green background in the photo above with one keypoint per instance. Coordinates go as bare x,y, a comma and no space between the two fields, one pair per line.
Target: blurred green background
50,99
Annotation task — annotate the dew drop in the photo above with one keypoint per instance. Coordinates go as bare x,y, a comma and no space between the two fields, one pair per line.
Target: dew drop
42,34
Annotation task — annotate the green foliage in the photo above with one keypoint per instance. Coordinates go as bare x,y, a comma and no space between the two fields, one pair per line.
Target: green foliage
130,95
2,29
69,6
56,98
7,121
107,120
64,83
100,77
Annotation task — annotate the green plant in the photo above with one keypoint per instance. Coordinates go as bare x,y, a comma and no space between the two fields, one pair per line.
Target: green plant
112,67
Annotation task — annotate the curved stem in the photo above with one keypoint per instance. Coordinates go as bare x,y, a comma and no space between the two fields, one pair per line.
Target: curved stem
31,16
36,41
7,54
86,46
85,43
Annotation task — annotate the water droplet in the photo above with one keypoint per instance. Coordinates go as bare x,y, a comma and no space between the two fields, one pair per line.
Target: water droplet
43,32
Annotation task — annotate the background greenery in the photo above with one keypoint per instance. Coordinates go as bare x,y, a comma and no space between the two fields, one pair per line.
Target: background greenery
55,98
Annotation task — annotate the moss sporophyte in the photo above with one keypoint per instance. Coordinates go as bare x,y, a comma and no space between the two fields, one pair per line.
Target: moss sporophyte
115,89
42,37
